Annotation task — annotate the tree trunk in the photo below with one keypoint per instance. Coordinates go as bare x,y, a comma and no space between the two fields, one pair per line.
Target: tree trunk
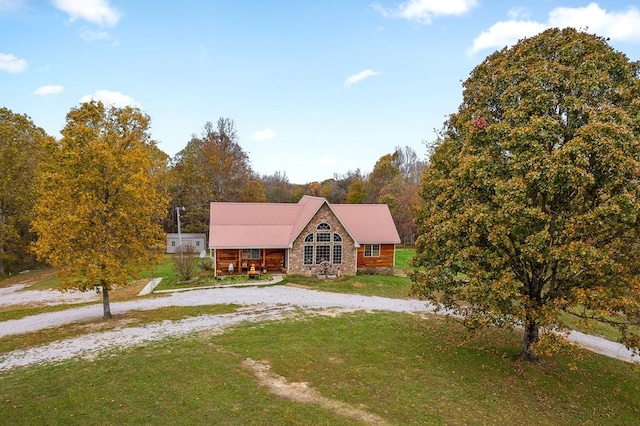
530,337
106,308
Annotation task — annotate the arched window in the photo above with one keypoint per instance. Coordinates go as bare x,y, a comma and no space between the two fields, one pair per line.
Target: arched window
322,246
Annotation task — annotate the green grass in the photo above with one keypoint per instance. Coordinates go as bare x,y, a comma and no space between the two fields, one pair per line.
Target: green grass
402,257
406,369
367,285
12,312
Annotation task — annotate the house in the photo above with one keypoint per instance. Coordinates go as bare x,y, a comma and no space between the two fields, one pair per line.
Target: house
197,241
307,237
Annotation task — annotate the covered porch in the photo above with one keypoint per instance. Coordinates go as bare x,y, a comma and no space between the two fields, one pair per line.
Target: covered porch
240,261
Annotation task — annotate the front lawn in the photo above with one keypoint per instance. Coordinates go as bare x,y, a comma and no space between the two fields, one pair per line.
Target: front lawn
389,368
368,285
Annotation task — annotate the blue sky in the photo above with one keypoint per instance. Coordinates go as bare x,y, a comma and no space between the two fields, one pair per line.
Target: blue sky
315,87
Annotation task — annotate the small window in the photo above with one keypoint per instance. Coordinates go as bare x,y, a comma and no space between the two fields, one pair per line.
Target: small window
337,238
251,253
308,238
308,255
173,243
197,243
372,250
323,227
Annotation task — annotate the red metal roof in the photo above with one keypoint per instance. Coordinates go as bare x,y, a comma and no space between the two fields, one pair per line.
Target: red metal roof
276,225
368,223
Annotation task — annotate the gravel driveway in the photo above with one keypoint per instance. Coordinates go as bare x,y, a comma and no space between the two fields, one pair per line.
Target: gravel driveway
260,303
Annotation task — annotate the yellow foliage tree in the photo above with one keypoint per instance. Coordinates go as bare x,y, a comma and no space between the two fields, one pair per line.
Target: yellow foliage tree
101,199
21,148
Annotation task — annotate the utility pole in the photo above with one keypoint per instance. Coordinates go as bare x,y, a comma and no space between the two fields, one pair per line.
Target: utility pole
179,231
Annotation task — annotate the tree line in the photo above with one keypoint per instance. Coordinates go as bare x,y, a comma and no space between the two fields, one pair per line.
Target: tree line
213,166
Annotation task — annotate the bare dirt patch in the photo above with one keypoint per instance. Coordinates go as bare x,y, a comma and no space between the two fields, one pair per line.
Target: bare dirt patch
29,278
299,285
301,392
129,291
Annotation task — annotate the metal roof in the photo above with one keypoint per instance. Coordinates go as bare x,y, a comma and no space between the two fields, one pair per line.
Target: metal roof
277,225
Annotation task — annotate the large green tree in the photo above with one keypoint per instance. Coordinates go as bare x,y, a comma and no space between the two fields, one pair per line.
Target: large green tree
101,199
531,197
22,146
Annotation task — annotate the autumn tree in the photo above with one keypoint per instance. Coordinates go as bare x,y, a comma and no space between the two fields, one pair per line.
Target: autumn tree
253,192
22,146
384,171
357,191
277,188
314,189
394,181
408,163
531,196
100,201
212,167
401,195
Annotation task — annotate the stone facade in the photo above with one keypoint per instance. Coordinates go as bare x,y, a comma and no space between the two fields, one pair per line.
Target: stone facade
349,249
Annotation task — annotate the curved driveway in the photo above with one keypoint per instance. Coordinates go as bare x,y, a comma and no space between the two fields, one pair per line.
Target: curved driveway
261,303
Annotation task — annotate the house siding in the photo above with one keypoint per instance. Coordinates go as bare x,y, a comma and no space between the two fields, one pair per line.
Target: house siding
273,258
197,241
385,260
296,254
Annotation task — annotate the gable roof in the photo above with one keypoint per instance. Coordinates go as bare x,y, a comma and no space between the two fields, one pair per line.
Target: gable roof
368,223
277,225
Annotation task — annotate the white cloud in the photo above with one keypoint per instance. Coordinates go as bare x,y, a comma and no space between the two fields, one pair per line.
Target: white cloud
615,25
519,13
11,63
359,76
425,10
325,162
107,97
89,35
51,89
263,135
506,33
592,18
94,11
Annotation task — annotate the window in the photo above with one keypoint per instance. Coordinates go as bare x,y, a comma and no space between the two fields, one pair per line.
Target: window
308,255
322,254
197,243
323,237
173,243
251,253
337,254
323,245
372,250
